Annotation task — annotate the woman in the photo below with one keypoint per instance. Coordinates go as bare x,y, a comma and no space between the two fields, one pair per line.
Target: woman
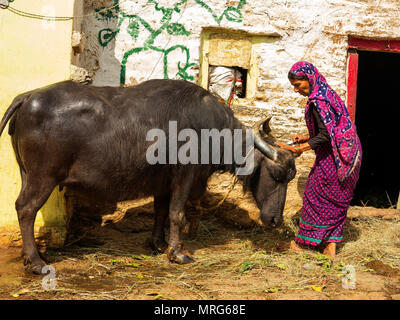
333,177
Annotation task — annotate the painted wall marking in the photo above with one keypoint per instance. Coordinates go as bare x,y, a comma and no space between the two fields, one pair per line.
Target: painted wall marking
106,35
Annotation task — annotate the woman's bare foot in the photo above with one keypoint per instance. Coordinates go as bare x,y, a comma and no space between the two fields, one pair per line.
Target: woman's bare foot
330,250
294,246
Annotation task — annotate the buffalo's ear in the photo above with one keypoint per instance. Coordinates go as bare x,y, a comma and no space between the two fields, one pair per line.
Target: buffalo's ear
277,171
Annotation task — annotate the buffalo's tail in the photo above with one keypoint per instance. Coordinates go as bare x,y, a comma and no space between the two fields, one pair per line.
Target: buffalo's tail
18,101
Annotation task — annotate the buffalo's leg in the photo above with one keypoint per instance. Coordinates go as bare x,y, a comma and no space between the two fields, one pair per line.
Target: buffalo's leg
194,226
34,193
179,195
161,209
194,219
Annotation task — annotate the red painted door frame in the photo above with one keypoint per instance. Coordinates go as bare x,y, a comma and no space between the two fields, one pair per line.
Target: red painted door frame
352,69
352,72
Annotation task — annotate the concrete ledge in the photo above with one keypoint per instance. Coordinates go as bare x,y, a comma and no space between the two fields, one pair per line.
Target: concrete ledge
360,212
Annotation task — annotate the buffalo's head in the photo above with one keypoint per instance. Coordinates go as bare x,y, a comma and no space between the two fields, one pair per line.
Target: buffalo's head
273,169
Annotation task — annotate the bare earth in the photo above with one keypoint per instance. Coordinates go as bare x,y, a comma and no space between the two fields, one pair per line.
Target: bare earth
235,258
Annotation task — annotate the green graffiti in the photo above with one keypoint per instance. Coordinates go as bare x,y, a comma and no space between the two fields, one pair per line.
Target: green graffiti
230,13
105,36
177,29
133,29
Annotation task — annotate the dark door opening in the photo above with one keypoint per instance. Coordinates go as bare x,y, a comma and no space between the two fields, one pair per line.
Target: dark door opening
378,126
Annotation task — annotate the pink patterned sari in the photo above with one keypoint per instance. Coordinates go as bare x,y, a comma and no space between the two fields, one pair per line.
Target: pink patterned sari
333,177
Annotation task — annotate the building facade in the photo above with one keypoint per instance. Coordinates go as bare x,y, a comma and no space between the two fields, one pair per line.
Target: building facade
355,44
126,42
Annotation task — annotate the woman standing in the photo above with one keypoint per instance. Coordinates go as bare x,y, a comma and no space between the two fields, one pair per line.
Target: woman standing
333,177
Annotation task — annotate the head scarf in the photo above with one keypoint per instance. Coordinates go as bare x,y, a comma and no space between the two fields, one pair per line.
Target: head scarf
345,143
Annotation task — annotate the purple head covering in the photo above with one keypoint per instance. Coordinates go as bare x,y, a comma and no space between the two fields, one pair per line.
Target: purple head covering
345,143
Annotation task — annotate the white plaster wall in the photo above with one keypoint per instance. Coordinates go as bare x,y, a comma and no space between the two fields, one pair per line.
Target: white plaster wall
312,30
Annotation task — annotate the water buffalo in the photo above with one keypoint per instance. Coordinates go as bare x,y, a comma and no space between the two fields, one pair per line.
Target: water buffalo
94,140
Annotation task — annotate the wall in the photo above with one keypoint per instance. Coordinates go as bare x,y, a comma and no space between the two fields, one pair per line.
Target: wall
140,40
33,53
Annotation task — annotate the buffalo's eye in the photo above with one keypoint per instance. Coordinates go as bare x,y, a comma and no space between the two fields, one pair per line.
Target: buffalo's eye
291,174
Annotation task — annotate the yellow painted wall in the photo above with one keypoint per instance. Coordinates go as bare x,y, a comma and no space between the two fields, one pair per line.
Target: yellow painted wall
33,53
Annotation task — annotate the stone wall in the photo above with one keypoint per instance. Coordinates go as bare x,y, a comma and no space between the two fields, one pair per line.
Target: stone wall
139,40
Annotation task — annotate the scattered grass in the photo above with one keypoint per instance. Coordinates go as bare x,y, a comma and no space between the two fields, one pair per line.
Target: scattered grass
229,264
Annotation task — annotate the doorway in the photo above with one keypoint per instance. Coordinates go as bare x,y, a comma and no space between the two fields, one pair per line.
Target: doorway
378,127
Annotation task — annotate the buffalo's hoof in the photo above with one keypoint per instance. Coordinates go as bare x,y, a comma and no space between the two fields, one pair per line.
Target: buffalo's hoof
183,259
35,268
179,256
158,245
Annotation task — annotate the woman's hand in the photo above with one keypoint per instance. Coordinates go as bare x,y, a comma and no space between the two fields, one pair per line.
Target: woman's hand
295,149
300,138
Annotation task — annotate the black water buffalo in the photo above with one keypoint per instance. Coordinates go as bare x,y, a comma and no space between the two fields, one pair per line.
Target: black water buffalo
93,140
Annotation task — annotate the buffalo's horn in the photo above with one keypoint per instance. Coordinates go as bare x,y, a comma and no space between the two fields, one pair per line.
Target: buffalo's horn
265,126
259,142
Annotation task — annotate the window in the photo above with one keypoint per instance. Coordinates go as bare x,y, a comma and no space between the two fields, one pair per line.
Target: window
233,50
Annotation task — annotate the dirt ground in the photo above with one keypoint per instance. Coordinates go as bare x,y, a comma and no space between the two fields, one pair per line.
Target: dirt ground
235,258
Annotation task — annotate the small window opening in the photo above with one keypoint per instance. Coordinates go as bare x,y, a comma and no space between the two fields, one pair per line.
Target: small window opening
241,86
227,83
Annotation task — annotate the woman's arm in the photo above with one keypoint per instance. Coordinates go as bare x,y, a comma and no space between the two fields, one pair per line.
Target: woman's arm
298,149
322,136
